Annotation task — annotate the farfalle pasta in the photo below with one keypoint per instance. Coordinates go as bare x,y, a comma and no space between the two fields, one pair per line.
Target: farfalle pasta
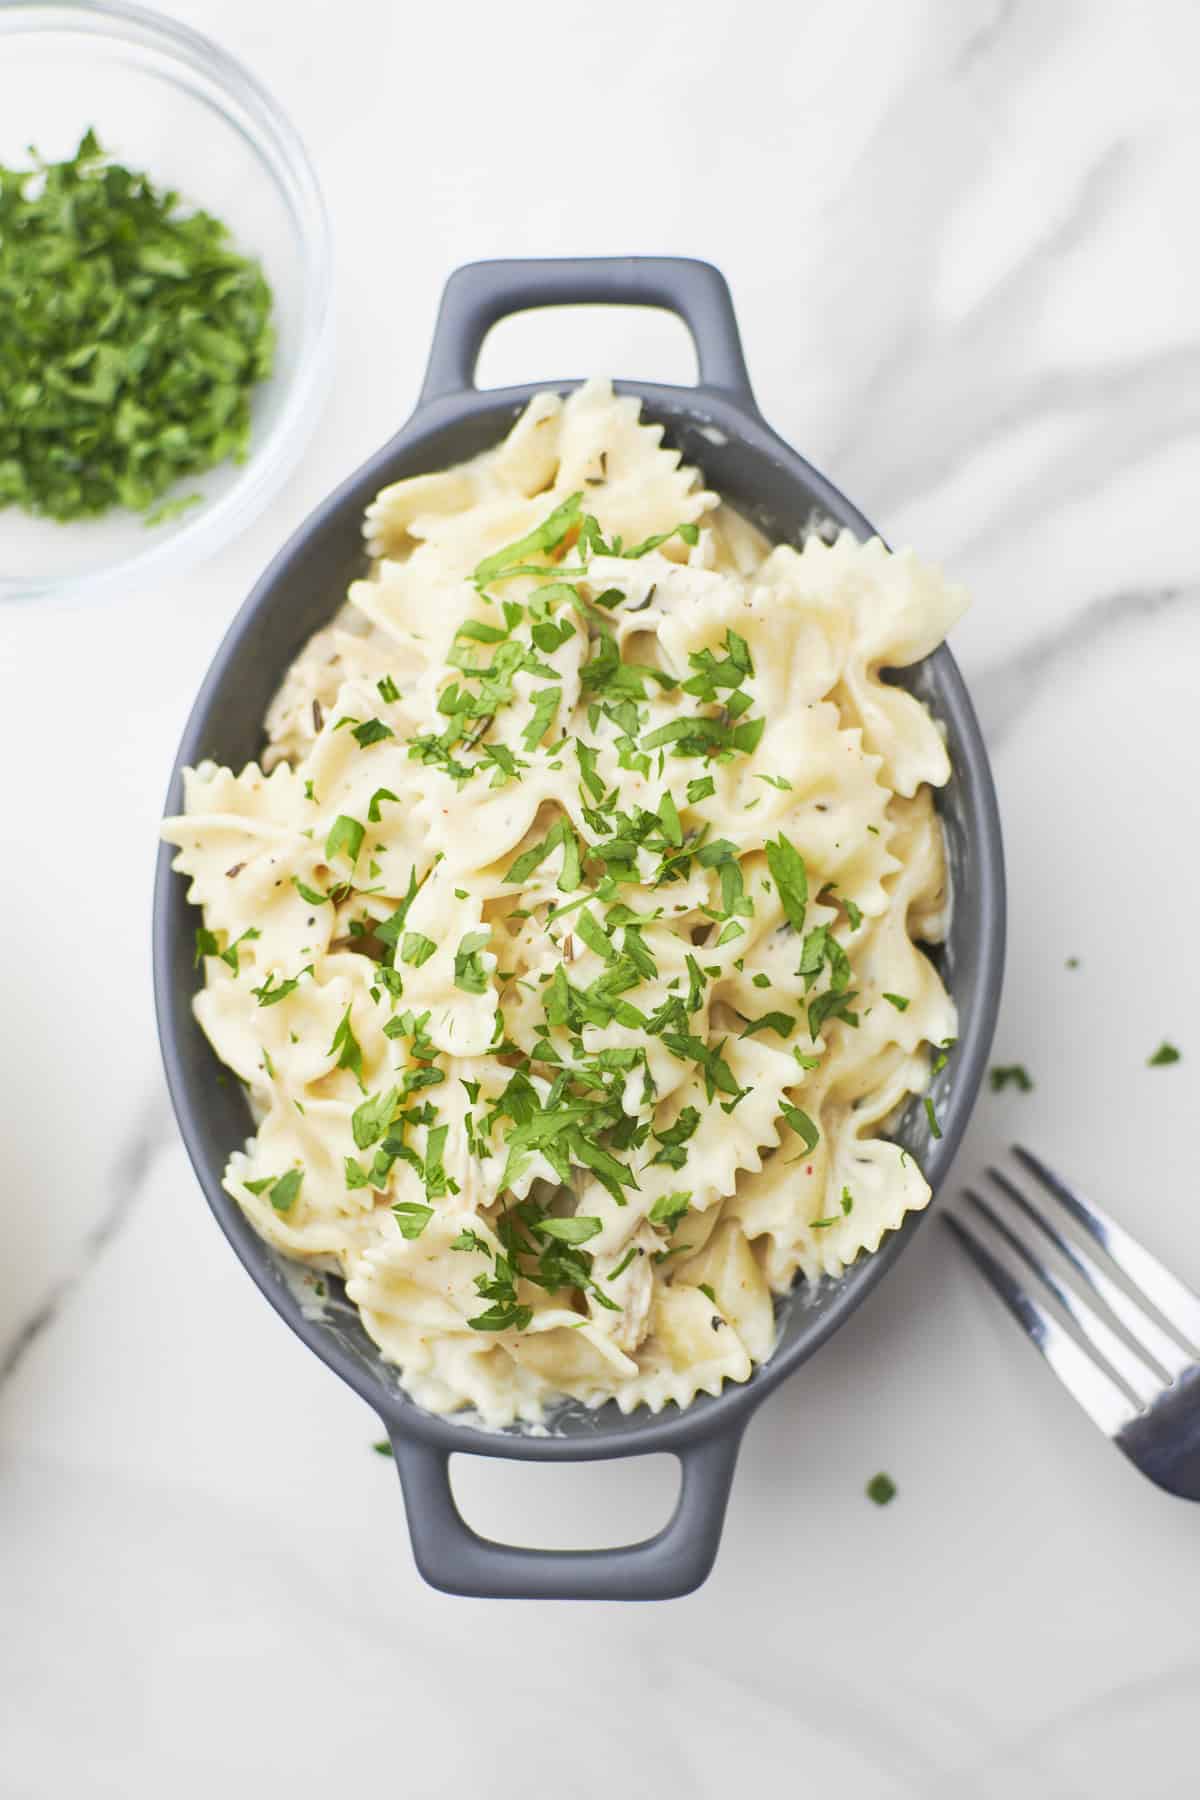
566,939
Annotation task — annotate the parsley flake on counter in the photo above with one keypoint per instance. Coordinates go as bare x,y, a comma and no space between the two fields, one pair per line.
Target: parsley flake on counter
132,335
1010,1075
881,1489
1166,1053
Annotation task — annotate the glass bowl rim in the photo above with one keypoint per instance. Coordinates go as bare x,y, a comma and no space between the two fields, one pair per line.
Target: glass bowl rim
247,107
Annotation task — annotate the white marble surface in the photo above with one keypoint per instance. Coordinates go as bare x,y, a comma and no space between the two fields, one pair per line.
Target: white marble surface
961,239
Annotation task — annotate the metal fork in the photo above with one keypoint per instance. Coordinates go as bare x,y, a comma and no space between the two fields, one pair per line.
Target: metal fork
1146,1400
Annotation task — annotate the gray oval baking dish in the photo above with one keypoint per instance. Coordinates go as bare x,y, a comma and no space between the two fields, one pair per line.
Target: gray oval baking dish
716,425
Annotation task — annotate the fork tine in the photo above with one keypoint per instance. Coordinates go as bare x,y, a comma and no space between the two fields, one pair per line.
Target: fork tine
1147,1333
1136,1375
1097,1393
1173,1298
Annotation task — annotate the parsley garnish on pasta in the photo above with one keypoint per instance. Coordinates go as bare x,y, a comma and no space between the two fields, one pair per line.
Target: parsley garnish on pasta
575,879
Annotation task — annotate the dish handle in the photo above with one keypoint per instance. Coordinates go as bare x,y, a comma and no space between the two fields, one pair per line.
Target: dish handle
480,294
674,1561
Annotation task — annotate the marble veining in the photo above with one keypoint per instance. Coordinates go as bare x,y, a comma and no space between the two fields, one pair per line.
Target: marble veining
961,243
121,1188
1002,691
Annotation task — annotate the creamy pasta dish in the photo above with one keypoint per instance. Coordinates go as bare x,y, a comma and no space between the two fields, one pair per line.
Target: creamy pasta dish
566,939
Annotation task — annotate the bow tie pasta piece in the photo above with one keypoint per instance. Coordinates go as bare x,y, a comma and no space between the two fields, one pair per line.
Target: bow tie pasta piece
570,946
635,485
349,650
891,611
447,965
728,1276
522,466
682,1355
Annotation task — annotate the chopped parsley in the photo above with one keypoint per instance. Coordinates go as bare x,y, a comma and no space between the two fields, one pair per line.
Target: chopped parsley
371,731
633,1252
546,536
801,1124
469,972
132,336
575,1230
674,1139
346,1048
881,1489
272,992
281,1190
791,880
1011,1075
345,839
669,1209
309,893
1166,1053
412,1217
847,1207
370,1120
416,948
545,705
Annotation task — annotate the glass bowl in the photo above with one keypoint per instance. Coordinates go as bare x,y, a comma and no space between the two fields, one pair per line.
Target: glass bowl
166,100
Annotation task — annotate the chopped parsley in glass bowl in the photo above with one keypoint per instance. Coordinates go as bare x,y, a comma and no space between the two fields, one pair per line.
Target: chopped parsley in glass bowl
168,104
